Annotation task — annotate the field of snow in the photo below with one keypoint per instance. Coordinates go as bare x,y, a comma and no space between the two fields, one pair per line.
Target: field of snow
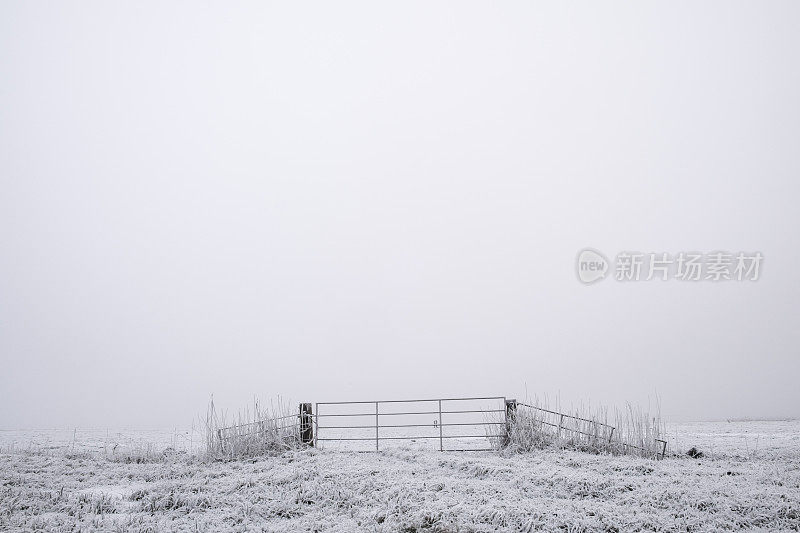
121,481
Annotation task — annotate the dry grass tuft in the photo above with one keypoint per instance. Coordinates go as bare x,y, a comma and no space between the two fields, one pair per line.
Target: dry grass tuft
629,431
251,432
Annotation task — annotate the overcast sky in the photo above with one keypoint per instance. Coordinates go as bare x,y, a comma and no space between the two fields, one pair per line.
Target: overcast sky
340,200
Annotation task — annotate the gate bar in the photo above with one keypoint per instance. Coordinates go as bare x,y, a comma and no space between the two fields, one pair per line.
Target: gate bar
413,401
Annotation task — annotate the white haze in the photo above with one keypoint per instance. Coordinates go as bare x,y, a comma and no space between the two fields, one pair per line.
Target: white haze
341,200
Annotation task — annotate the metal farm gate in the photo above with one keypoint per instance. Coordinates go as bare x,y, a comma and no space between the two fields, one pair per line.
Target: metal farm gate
449,424
454,424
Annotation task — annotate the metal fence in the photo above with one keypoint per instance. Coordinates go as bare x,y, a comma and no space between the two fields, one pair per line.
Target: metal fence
454,421
279,428
600,430
579,423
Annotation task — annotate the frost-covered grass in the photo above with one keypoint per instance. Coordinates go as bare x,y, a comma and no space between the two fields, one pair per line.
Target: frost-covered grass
536,424
251,432
403,489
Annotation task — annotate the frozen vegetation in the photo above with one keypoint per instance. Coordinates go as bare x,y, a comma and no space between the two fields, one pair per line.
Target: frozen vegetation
748,478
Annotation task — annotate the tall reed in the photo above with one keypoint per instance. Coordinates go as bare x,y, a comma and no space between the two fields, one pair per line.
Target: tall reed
251,432
540,424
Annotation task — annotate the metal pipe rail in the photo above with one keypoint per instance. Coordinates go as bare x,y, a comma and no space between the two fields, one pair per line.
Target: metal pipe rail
662,453
417,401
265,425
222,436
257,422
565,415
561,426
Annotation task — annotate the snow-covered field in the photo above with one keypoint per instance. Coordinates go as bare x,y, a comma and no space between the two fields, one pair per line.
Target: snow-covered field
70,480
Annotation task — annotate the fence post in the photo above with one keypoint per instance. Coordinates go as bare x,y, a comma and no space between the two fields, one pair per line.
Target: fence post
316,425
377,425
663,448
441,444
511,415
306,424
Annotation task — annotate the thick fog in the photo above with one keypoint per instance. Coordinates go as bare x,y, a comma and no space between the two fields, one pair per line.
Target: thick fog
336,200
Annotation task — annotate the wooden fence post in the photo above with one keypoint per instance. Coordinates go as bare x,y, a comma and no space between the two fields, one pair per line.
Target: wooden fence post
306,424
511,415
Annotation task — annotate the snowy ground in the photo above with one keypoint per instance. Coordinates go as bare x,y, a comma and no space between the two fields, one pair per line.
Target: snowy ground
60,481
